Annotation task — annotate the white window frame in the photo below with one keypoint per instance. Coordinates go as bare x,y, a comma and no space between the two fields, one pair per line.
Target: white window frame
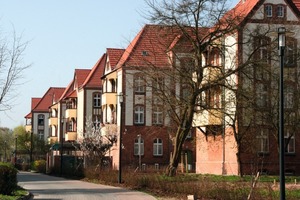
289,97
157,147
280,11
42,118
97,100
139,84
263,141
138,147
139,114
262,97
157,115
41,134
269,10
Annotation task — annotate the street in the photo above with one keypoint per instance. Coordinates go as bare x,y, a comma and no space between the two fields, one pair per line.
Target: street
55,188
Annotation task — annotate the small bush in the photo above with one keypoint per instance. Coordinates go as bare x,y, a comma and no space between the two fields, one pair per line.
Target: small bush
39,166
8,178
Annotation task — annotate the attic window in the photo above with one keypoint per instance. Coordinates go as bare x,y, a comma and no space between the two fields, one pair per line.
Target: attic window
145,53
268,10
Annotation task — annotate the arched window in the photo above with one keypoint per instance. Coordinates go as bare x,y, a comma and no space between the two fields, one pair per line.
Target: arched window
157,147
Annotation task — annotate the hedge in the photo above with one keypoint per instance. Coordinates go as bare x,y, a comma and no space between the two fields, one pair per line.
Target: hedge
8,178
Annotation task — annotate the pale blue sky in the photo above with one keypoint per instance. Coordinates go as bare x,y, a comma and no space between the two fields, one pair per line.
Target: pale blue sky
64,35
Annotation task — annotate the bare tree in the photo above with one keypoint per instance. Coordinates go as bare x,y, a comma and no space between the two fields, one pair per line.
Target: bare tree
198,27
11,68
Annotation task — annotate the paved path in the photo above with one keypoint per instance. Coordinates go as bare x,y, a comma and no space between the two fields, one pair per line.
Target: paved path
45,187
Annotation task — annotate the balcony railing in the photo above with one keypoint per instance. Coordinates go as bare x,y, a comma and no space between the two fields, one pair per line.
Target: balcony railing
28,127
52,140
71,136
71,113
208,117
53,121
109,98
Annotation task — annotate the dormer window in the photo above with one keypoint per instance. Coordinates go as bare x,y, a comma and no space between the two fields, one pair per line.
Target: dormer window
268,10
273,11
280,11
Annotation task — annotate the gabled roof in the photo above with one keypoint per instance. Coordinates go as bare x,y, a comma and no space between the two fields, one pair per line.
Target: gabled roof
114,56
52,95
80,76
94,77
245,8
153,42
68,90
149,46
34,102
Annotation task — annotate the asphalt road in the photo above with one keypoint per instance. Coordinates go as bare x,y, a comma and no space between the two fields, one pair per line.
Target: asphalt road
46,187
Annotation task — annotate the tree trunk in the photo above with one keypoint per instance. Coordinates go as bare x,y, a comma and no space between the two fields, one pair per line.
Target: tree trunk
180,137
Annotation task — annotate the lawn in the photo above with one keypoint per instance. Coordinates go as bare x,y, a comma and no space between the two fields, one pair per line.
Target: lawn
202,186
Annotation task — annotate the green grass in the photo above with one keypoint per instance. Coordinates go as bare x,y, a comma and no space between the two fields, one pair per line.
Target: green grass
16,194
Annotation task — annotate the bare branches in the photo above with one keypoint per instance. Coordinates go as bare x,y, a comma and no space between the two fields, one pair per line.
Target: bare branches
11,69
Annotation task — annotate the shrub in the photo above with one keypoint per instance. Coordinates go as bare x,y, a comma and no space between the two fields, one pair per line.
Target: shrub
39,166
8,178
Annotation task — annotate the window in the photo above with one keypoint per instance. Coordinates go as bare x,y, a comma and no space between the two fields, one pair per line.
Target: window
261,48
41,134
214,57
97,100
139,84
289,142
268,10
139,113
138,146
70,126
280,11
263,142
158,85
262,97
157,115
291,52
213,97
289,97
157,147
41,120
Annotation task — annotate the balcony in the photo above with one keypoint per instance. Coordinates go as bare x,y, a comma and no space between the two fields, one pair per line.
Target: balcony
52,140
71,136
71,113
28,127
208,117
109,98
53,121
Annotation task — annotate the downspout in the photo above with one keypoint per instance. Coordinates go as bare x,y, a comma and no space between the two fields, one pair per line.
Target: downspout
223,117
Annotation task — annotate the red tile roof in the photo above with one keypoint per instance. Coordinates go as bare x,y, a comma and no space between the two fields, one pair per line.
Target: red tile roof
152,44
80,76
28,116
297,3
34,102
52,95
244,8
149,46
93,80
69,89
114,56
